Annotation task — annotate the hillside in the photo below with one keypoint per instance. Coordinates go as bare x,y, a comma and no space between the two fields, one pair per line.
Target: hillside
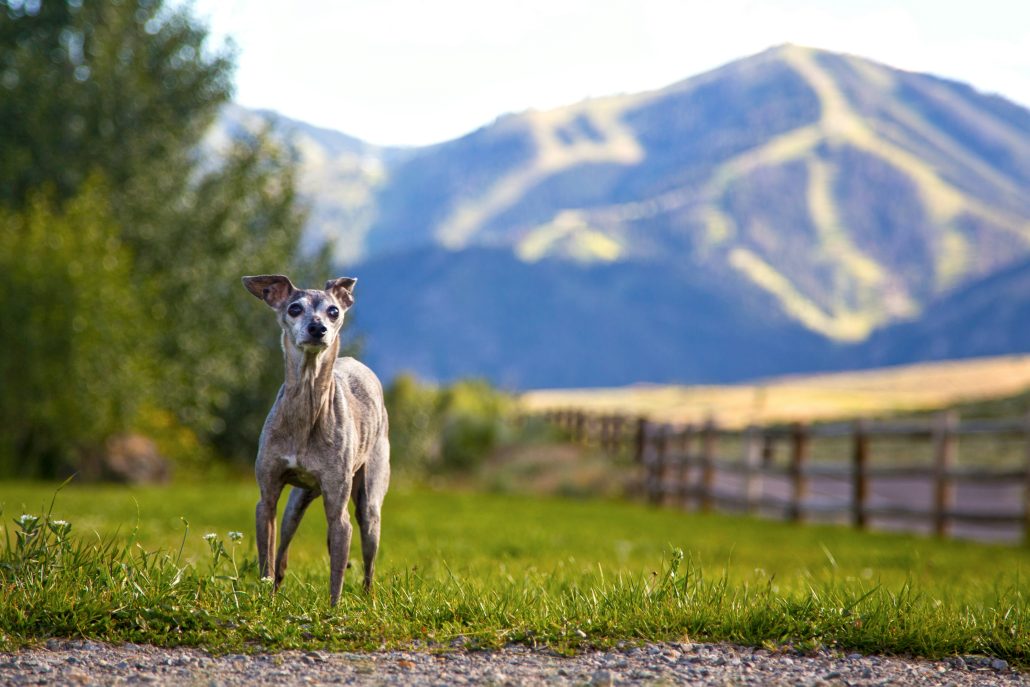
876,392
851,192
793,196
338,176
483,312
987,317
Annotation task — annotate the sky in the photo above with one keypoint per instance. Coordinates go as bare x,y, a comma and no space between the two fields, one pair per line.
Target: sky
415,72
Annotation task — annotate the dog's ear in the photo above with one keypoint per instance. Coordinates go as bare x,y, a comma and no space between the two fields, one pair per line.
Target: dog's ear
342,290
271,288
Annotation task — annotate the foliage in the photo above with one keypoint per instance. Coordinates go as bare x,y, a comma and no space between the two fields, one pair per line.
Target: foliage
448,429
75,350
122,93
475,419
496,570
223,361
123,88
414,425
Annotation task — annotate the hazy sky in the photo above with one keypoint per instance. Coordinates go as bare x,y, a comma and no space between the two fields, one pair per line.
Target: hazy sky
422,71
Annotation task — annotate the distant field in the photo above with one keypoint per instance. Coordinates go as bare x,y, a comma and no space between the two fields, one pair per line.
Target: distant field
877,392
495,569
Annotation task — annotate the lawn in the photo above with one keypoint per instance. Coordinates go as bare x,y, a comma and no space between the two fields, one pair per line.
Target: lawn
493,569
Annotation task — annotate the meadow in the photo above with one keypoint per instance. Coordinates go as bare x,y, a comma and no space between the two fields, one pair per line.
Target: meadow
482,570
878,392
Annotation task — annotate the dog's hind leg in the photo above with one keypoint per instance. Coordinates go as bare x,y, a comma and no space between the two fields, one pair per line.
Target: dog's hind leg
370,485
299,501
335,498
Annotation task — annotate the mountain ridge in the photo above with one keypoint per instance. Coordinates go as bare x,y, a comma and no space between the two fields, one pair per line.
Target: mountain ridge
842,193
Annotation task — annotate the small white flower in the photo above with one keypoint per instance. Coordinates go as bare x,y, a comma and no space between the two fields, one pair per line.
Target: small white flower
236,536
60,523
266,580
210,536
26,520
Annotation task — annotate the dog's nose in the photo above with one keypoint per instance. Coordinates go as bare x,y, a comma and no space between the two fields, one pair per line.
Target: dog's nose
317,330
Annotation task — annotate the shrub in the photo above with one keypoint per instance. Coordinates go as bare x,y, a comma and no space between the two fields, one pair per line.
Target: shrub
450,429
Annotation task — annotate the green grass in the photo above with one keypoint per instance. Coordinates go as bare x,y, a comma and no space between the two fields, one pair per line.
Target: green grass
495,569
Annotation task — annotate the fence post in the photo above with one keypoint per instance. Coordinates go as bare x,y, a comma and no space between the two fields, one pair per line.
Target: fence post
1026,481
768,449
798,458
616,434
661,495
708,439
641,441
579,432
686,447
644,456
943,458
752,458
859,474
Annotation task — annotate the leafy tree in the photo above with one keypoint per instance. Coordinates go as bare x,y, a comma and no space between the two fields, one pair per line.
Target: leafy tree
75,346
123,92
475,416
123,88
224,363
414,411
446,429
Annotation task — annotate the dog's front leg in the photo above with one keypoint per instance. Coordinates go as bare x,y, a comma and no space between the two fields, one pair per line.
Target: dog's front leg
340,529
298,502
264,518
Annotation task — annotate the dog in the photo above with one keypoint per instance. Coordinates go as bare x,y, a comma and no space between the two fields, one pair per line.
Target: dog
327,433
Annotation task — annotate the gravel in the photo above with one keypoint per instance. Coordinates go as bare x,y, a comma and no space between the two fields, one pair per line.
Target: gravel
76,662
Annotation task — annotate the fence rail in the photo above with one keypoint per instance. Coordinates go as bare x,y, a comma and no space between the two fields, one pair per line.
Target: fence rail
687,466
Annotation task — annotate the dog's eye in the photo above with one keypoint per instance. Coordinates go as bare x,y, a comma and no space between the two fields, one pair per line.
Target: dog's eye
295,310
333,312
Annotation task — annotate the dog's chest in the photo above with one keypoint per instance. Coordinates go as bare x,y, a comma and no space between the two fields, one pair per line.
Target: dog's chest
295,473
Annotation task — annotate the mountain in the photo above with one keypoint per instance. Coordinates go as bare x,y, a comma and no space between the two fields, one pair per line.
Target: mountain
338,175
852,192
445,314
988,317
797,199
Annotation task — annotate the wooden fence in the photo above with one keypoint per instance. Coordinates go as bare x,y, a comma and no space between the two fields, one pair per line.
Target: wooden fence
770,470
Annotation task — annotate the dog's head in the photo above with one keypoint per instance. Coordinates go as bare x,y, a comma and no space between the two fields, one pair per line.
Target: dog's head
310,318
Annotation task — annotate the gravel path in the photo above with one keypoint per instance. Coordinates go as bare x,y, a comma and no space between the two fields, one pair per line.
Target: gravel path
86,663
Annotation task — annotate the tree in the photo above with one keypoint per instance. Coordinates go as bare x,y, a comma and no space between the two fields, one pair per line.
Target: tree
122,93
126,89
75,348
223,358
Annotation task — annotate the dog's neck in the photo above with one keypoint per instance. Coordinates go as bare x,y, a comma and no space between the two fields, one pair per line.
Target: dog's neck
310,389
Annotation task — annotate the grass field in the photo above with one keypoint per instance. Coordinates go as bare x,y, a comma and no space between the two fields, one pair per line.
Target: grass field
495,569
885,391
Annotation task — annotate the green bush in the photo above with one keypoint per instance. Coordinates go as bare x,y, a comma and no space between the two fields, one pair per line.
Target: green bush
437,430
76,345
414,425
124,238
475,421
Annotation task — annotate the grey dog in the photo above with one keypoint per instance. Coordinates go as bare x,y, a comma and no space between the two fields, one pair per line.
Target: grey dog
326,435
